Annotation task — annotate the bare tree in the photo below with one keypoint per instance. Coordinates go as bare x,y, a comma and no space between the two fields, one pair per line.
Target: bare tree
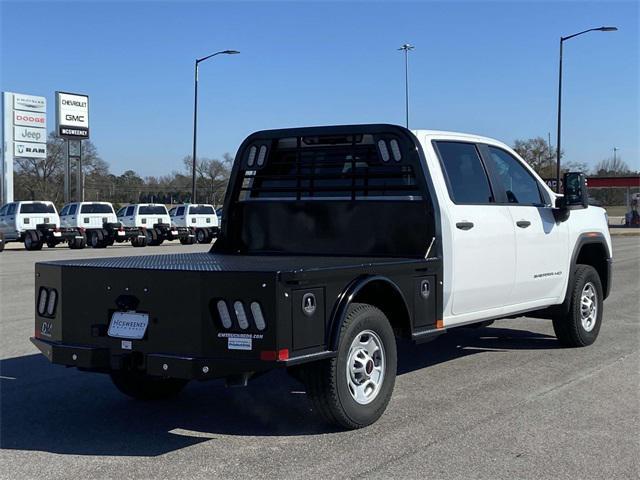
612,167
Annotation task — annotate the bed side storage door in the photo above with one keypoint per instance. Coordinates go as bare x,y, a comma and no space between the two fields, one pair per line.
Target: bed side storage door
483,252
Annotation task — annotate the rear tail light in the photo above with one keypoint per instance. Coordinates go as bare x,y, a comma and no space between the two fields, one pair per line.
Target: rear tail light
238,308
26,220
51,304
85,220
46,219
223,311
252,156
258,318
47,302
42,300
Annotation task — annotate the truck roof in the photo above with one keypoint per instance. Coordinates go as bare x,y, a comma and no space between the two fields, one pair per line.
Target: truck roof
444,134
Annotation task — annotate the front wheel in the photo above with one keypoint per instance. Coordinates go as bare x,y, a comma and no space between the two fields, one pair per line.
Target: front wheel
581,325
146,387
352,390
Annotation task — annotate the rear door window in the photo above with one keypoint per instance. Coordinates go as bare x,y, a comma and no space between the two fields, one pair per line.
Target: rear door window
180,211
518,183
466,177
130,211
72,209
12,209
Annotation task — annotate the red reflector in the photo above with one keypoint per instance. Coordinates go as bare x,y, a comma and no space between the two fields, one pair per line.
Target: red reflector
268,355
272,355
283,354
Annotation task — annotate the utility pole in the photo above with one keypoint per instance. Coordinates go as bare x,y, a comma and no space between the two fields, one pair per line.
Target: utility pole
406,48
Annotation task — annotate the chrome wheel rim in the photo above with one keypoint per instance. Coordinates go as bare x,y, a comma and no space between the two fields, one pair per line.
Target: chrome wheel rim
365,367
588,307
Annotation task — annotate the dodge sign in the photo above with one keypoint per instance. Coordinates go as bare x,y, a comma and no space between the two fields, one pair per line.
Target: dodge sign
72,115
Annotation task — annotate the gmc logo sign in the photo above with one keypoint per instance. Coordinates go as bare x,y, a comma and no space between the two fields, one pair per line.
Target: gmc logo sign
74,118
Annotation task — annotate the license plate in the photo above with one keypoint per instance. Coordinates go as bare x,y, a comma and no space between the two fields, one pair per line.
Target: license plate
120,233
57,234
131,325
174,232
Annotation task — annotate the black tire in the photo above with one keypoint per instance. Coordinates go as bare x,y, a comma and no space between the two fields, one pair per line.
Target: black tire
51,243
139,241
78,243
1,241
570,329
97,239
202,236
327,380
151,237
187,240
33,240
146,387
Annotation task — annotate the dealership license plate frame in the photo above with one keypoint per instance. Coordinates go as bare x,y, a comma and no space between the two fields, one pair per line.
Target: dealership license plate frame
128,331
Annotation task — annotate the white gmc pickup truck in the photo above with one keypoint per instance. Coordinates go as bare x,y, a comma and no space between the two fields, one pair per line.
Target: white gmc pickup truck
334,241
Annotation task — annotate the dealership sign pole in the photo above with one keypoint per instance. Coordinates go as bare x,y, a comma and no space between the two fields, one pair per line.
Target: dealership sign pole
24,135
72,124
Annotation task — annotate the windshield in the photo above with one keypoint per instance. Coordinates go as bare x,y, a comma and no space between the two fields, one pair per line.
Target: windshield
152,210
96,208
37,208
201,210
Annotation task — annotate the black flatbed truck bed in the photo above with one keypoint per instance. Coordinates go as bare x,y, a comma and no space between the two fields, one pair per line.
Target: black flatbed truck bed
179,292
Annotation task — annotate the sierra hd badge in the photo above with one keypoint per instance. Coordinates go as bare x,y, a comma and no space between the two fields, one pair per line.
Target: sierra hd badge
309,304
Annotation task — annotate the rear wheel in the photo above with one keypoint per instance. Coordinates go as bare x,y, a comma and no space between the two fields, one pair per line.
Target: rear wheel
139,241
33,240
352,390
151,237
77,243
187,240
146,387
581,325
202,236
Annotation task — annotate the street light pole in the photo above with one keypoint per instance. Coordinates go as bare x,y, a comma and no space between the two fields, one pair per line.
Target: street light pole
406,47
615,150
195,117
558,140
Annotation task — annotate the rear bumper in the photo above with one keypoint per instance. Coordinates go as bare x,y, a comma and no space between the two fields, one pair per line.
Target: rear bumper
164,365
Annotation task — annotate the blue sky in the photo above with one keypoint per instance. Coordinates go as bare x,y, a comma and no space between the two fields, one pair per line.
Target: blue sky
480,67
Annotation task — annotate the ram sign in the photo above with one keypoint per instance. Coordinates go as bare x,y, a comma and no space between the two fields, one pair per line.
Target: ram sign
72,115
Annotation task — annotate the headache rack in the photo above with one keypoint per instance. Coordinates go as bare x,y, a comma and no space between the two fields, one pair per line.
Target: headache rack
364,167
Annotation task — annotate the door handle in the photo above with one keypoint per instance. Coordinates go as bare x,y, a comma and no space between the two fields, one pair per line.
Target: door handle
464,225
523,223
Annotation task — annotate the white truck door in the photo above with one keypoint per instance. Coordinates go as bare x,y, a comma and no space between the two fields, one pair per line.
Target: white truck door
483,252
541,243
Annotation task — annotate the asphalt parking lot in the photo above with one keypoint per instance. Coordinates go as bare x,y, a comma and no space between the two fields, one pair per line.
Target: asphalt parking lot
497,402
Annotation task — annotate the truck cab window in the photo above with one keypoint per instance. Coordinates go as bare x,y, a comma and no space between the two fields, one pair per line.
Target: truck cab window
180,211
519,185
466,178
130,211
72,209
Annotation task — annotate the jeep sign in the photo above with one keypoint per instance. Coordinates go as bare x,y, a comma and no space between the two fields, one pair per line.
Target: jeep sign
72,115
28,134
